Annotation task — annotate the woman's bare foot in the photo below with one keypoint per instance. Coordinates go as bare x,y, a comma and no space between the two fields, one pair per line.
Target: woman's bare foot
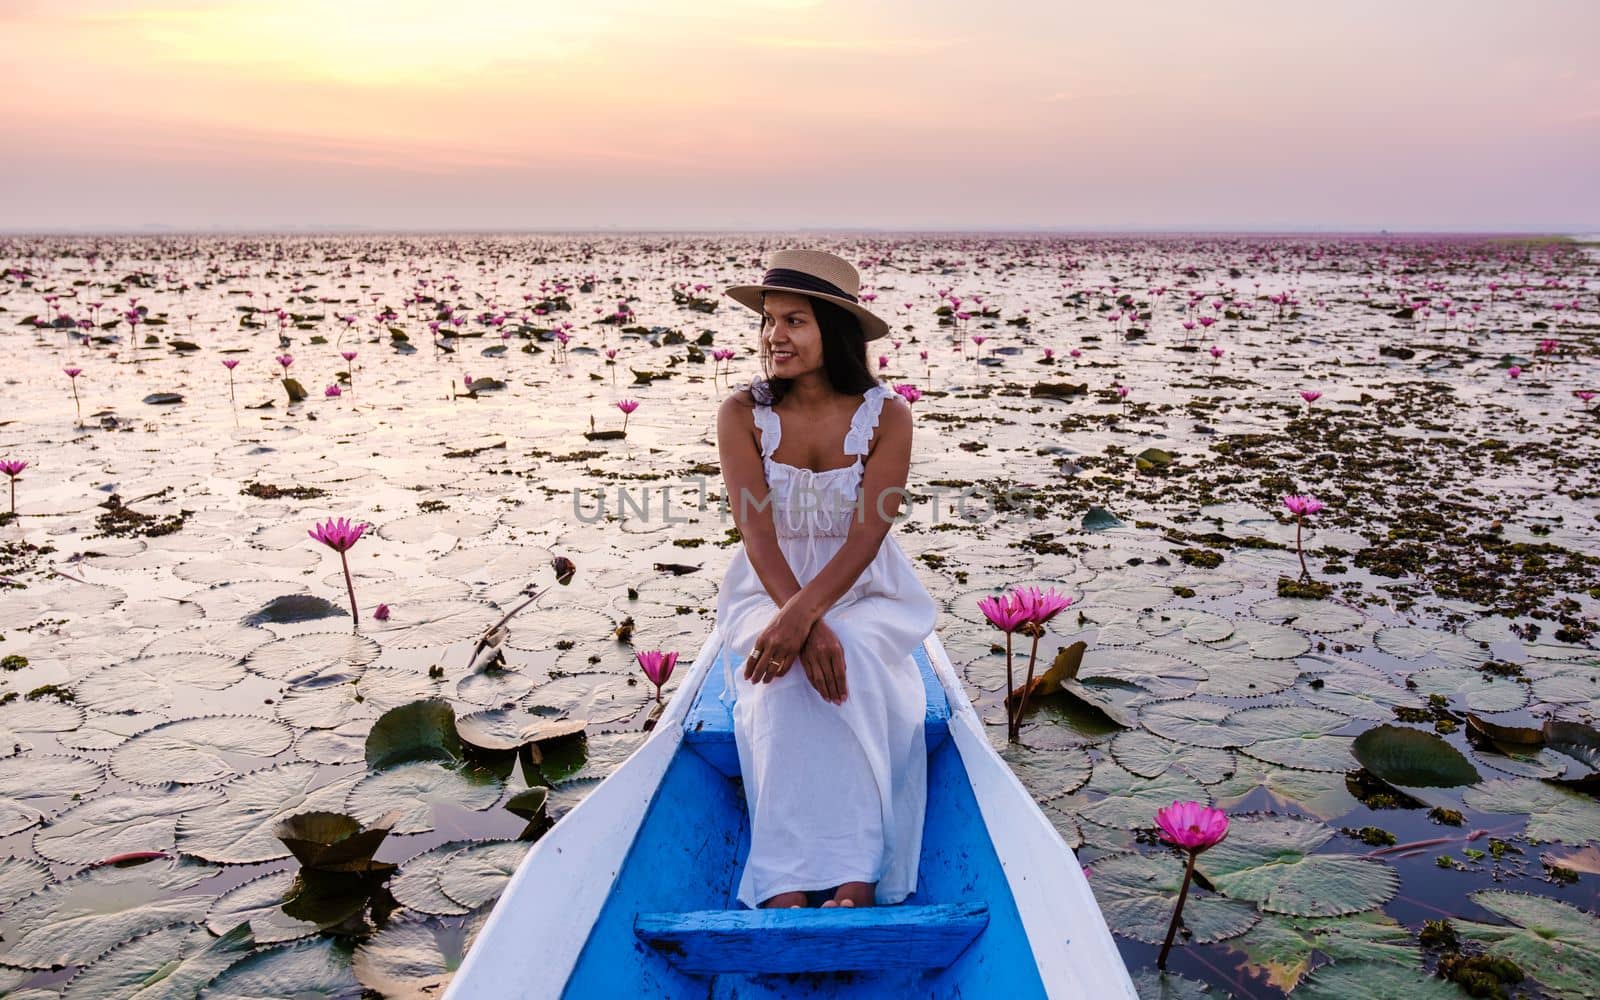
787,900
852,894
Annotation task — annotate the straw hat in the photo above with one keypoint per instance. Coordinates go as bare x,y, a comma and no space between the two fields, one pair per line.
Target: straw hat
812,272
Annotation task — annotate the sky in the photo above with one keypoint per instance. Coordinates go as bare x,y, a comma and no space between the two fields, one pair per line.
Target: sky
470,115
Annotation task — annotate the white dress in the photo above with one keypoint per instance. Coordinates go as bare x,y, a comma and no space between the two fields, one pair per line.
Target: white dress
836,793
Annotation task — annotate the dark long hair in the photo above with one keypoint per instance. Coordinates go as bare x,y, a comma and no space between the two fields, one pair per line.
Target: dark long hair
844,355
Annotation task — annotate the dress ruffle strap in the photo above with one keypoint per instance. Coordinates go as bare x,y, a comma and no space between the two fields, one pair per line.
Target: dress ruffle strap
865,420
771,429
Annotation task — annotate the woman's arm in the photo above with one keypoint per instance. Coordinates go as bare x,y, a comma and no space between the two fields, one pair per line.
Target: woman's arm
883,486
748,498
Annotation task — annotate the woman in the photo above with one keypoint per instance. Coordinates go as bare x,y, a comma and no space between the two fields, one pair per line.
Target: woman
832,755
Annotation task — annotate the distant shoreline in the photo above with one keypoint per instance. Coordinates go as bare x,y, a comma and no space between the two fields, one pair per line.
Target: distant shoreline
1585,235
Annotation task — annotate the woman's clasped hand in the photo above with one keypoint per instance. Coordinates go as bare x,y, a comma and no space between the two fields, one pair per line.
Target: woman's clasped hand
789,636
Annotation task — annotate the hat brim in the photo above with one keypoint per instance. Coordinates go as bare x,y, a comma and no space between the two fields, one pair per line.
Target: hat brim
749,296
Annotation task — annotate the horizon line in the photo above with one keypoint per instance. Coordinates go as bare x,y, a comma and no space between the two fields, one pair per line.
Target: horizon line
159,229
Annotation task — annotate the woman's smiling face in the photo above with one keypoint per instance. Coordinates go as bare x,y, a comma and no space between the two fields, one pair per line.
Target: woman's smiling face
790,335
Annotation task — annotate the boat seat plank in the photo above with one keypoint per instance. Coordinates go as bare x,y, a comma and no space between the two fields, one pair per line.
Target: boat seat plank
836,939
708,726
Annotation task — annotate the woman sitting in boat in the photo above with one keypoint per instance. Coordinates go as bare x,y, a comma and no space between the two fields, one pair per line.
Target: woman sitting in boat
814,463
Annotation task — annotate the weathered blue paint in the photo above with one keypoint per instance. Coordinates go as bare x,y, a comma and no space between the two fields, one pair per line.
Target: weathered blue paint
709,725
687,856
821,940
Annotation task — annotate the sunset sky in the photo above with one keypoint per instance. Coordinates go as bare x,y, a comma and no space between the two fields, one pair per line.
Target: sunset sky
771,114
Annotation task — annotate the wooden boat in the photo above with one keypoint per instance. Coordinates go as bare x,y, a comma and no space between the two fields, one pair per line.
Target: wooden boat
632,892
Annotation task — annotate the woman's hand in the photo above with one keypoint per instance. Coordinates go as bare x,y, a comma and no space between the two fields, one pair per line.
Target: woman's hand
777,646
823,658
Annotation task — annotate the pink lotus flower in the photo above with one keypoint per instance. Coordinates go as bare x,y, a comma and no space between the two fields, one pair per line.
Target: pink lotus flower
73,372
230,363
1216,352
1301,506
339,535
883,362
627,406
1007,613
1049,353
1075,353
1037,608
331,391
13,467
382,613
1122,392
1310,395
285,360
1514,371
348,355
908,392
657,666
1194,827
1583,394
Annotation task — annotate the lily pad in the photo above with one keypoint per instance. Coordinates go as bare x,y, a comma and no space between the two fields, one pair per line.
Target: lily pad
417,884
1127,801
414,789
416,956
198,750
1148,756
1136,893
329,841
1555,942
1411,757
1199,723
1374,981
1323,794
477,873
1294,736
1554,813
1269,859
73,921
172,963
1482,692
119,823
292,608
285,906
421,730
1410,643
240,829
1281,949
26,782
306,970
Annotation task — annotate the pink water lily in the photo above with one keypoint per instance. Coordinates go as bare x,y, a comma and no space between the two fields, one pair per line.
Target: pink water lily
908,392
339,535
1008,613
657,665
627,406
331,391
1038,607
1310,395
1514,371
1194,827
72,373
382,614
1301,507
13,467
285,360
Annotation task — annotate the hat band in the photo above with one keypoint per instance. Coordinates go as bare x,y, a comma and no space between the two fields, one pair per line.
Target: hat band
785,277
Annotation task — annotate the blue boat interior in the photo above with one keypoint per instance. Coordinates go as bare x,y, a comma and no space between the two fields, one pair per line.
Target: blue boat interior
672,926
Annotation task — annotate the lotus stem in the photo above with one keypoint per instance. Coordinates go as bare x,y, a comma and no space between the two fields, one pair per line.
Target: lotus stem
1299,523
1013,722
1027,685
349,586
1177,911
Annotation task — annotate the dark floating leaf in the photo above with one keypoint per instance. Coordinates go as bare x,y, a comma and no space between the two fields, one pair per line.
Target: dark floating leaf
163,398
292,608
334,842
421,730
1100,519
1412,758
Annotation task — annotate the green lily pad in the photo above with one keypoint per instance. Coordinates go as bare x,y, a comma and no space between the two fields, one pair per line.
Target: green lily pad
1198,723
477,873
422,730
1554,942
119,824
1191,623
1281,949
1127,801
260,903
1269,860
1482,692
292,608
29,781
240,830
1374,981
414,789
1355,689
1294,736
314,658
1137,892
1322,617
416,956
73,921
1100,519
1153,984
417,885
1413,758
1554,813
21,877
161,682
198,750
306,970
1409,643
1264,639
172,963
1048,774
1149,756
1323,794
